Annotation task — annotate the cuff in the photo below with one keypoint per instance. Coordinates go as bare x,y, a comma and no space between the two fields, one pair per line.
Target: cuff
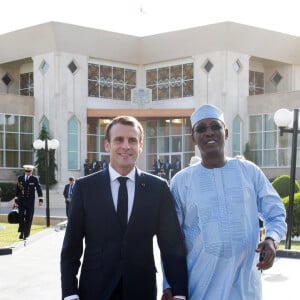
276,244
274,236
73,297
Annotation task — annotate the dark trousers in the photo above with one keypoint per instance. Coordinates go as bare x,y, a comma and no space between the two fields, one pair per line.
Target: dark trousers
67,208
26,212
118,292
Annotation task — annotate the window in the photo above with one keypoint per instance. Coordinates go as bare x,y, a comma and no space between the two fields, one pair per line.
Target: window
73,144
26,84
268,148
237,66
44,67
256,83
16,138
168,141
207,66
171,82
72,66
7,79
45,124
110,82
95,139
276,78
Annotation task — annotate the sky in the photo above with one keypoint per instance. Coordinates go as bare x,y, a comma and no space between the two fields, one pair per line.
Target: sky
148,17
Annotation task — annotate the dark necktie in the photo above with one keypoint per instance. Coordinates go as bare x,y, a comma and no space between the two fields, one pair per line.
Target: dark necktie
122,207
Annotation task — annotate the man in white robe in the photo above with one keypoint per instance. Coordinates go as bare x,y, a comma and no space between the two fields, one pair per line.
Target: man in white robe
218,202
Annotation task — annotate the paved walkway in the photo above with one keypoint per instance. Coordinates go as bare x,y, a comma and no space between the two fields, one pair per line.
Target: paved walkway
32,272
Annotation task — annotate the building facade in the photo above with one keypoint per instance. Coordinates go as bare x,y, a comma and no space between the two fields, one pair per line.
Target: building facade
72,80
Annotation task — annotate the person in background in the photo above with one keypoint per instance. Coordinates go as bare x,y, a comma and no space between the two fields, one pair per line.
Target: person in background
104,164
218,204
26,187
86,167
156,166
116,213
68,190
167,168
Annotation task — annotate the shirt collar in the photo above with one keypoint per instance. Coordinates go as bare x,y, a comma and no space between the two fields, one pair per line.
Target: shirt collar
114,174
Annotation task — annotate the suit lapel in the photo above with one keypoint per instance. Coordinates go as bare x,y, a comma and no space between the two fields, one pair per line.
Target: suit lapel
105,190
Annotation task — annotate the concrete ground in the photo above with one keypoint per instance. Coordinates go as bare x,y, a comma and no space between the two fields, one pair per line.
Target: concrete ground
32,272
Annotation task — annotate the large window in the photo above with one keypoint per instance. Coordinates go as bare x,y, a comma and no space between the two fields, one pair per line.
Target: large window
168,141
95,140
256,83
267,147
171,82
73,144
110,82
16,138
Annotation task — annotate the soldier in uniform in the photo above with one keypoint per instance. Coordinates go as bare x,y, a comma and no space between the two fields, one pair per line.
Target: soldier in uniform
25,197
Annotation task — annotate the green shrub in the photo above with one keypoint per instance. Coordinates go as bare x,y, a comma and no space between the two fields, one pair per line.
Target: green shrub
296,213
7,191
282,185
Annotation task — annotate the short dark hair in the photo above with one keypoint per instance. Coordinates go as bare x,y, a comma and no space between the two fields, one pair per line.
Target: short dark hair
71,178
124,120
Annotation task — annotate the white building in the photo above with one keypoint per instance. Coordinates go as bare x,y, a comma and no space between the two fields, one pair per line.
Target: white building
72,79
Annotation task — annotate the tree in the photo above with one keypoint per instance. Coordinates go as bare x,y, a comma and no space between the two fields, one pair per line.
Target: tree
40,162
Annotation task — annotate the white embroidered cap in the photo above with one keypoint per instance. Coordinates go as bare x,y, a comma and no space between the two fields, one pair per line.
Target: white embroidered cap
206,111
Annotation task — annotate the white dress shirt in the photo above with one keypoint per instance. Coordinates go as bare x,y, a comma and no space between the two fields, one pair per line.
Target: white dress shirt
115,184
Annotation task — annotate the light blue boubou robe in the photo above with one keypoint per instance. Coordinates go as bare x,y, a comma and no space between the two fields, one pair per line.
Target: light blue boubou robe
218,210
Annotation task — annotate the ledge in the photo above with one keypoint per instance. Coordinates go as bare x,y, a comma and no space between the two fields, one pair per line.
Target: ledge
288,253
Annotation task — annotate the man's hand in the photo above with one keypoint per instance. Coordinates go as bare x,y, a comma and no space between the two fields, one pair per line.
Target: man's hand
16,202
167,295
267,252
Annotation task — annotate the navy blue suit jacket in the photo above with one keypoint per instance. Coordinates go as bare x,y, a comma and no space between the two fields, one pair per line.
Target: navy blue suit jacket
25,190
66,190
107,256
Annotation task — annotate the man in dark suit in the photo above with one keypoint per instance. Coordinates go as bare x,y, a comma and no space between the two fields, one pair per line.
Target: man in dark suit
118,261
25,199
68,190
